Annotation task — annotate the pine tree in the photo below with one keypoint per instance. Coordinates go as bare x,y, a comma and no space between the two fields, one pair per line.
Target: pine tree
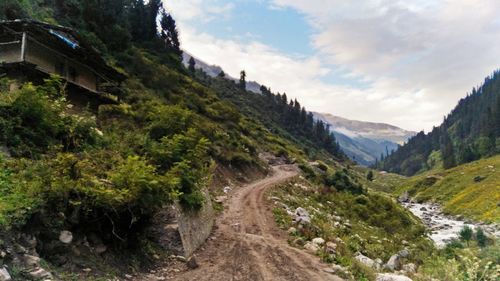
243,82
369,176
447,151
169,33
221,74
191,65
153,10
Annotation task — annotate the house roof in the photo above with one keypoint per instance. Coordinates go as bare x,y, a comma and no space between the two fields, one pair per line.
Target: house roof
64,40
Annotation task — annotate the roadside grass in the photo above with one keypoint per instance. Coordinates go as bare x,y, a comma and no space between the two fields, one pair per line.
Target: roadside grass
371,223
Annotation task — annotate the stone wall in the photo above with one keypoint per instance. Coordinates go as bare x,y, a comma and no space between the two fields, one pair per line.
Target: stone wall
195,227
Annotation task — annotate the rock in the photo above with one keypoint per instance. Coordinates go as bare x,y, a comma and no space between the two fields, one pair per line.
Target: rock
31,261
302,216
404,253
227,189
405,243
87,270
99,249
423,209
220,199
292,230
338,240
391,277
378,263
191,263
365,260
66,237
4,274
40,273
180,258
318,241
338,268
331,247
479,178
394,263
311,247
405,197
128,276
410,268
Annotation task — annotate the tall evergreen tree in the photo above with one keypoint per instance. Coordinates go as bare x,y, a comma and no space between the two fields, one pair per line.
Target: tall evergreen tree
191,65
243,82
169,33
447,152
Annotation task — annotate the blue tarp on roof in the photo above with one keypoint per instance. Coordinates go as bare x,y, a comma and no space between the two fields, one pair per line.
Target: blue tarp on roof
63,38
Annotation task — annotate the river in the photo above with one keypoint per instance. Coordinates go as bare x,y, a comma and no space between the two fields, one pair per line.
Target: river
442,227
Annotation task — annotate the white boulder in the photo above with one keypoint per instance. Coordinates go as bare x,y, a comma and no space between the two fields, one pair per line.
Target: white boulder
66,237
318,241
4,274
392,277
365,260
394,263
311,247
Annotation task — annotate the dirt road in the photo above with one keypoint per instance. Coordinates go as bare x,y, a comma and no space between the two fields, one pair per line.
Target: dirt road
247,245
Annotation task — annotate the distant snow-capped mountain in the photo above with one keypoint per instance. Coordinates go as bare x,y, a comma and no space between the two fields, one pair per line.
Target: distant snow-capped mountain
363,141
214,70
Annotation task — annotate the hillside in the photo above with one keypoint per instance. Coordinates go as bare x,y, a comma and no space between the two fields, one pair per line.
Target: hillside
470,190
470,132
168,172
365,142
215,70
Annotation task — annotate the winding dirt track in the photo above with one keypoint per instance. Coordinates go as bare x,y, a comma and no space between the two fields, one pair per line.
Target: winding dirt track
247,245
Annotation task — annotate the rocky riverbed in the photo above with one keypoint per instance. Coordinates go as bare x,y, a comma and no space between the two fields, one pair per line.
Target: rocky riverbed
443,227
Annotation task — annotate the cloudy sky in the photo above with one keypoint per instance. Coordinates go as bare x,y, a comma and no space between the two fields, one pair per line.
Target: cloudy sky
376,60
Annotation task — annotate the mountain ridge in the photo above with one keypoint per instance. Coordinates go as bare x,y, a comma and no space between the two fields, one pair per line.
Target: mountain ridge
363,141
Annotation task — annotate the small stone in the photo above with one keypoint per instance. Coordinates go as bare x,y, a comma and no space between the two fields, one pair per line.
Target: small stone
394,263
365,260
227,189
87,270
318,241
128,276
220,199
404,253
311,247
338,268
292,230
66,237
410,268
31,261
180,258
40,273
99,249
4,274
392,277
331,247
192,263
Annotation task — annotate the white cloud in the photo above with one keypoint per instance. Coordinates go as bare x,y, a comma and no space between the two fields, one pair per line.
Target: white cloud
200,10
417,59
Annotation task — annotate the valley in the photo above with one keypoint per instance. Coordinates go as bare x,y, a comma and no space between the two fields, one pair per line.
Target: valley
124,156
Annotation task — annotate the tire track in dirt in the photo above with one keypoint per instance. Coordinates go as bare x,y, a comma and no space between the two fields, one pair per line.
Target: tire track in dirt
247,245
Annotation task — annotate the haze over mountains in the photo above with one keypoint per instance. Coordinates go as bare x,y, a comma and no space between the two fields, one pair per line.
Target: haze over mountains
365,141
362,141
